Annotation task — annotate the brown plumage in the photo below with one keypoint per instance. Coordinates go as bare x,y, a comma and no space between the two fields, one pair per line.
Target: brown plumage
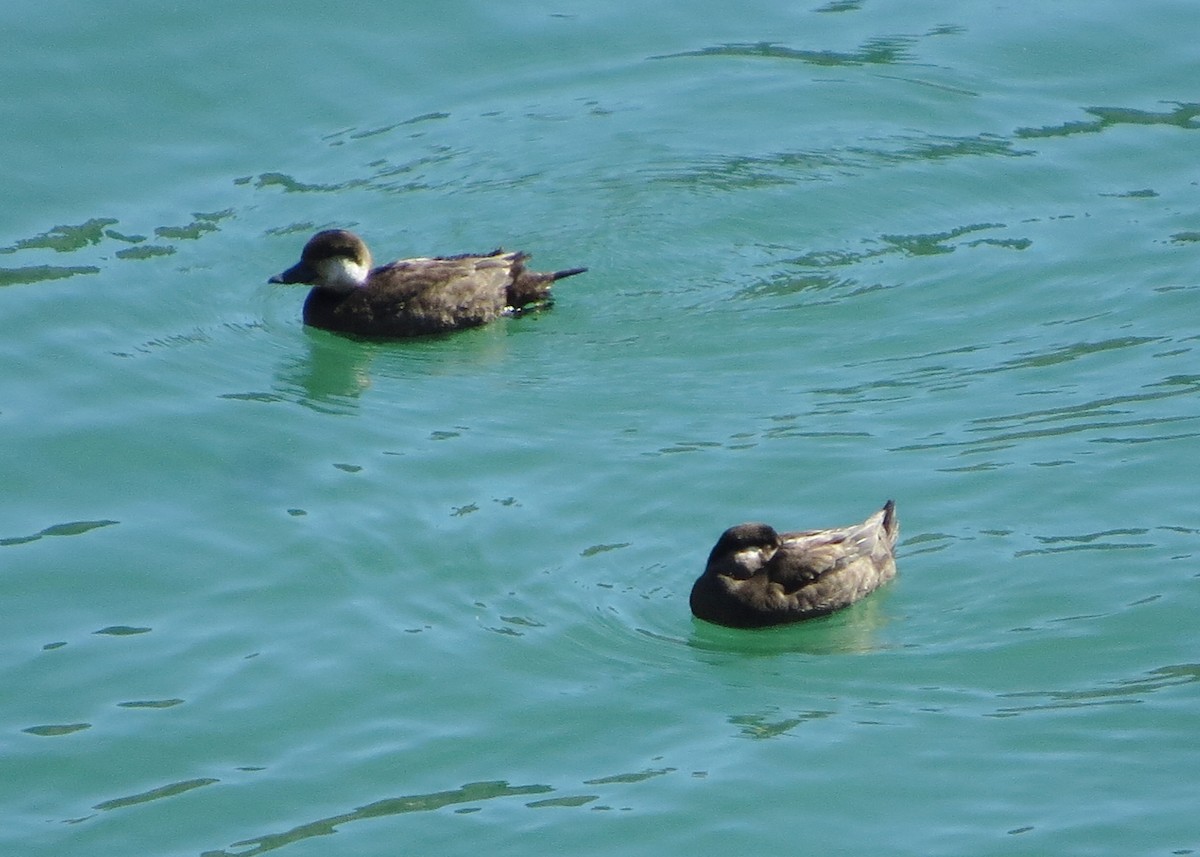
411,297
757,577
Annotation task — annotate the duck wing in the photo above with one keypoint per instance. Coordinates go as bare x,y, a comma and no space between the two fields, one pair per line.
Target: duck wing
806,557
447,279
822,570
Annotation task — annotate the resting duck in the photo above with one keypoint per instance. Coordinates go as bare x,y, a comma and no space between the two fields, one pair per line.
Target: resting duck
757,577
411,297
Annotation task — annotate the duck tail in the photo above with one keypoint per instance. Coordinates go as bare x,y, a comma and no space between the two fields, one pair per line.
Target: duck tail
528,287
891,523
569,272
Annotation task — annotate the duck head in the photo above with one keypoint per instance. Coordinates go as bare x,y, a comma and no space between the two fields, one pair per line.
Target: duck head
743,550
334,259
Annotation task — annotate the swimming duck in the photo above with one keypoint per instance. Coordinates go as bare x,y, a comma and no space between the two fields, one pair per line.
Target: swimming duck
411,297
757,577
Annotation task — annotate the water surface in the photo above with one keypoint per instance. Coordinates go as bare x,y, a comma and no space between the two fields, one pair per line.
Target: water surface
266,588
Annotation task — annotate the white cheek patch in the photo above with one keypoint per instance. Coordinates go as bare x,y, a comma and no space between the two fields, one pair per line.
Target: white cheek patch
749,558
343,273
358,272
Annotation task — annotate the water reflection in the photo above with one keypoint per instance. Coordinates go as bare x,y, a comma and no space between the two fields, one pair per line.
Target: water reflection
881,50
744,172
1108,406
151,703
1104,414
933,542
759,726
66,238
633,777
1123,692
96,231
1185,115
329,376
734,172
385,175
855,630
200,225
568,801
384,129
169,790
1103,541
840,6
52,730
471,793
335,370
70,528
815,265
39,273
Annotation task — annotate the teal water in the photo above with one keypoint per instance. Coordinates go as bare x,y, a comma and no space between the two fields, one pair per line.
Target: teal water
264,588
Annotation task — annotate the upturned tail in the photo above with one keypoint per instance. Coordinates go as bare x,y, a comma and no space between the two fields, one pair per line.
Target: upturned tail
891,524
529,287
569,272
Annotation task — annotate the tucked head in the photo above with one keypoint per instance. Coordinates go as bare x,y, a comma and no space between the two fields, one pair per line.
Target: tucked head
333,259
743,550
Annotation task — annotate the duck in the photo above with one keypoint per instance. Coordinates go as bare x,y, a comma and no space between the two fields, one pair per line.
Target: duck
757,577
411,297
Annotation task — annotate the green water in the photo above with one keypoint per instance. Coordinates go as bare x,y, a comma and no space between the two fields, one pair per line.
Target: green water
264,588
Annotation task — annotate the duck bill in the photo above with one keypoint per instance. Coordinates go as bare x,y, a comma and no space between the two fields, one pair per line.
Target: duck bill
298,273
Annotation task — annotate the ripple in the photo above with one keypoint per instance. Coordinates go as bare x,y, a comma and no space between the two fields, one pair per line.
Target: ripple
40,273
201,225
169,790
338,137
150,703
96,232
571,801
746,172
1186,115
70,528
1121,692
469,793
637,777
881,50
840,6
1074,351
54,730
123,631
816,277
743,172
760,726
146,251
65,238
603,548
385,175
